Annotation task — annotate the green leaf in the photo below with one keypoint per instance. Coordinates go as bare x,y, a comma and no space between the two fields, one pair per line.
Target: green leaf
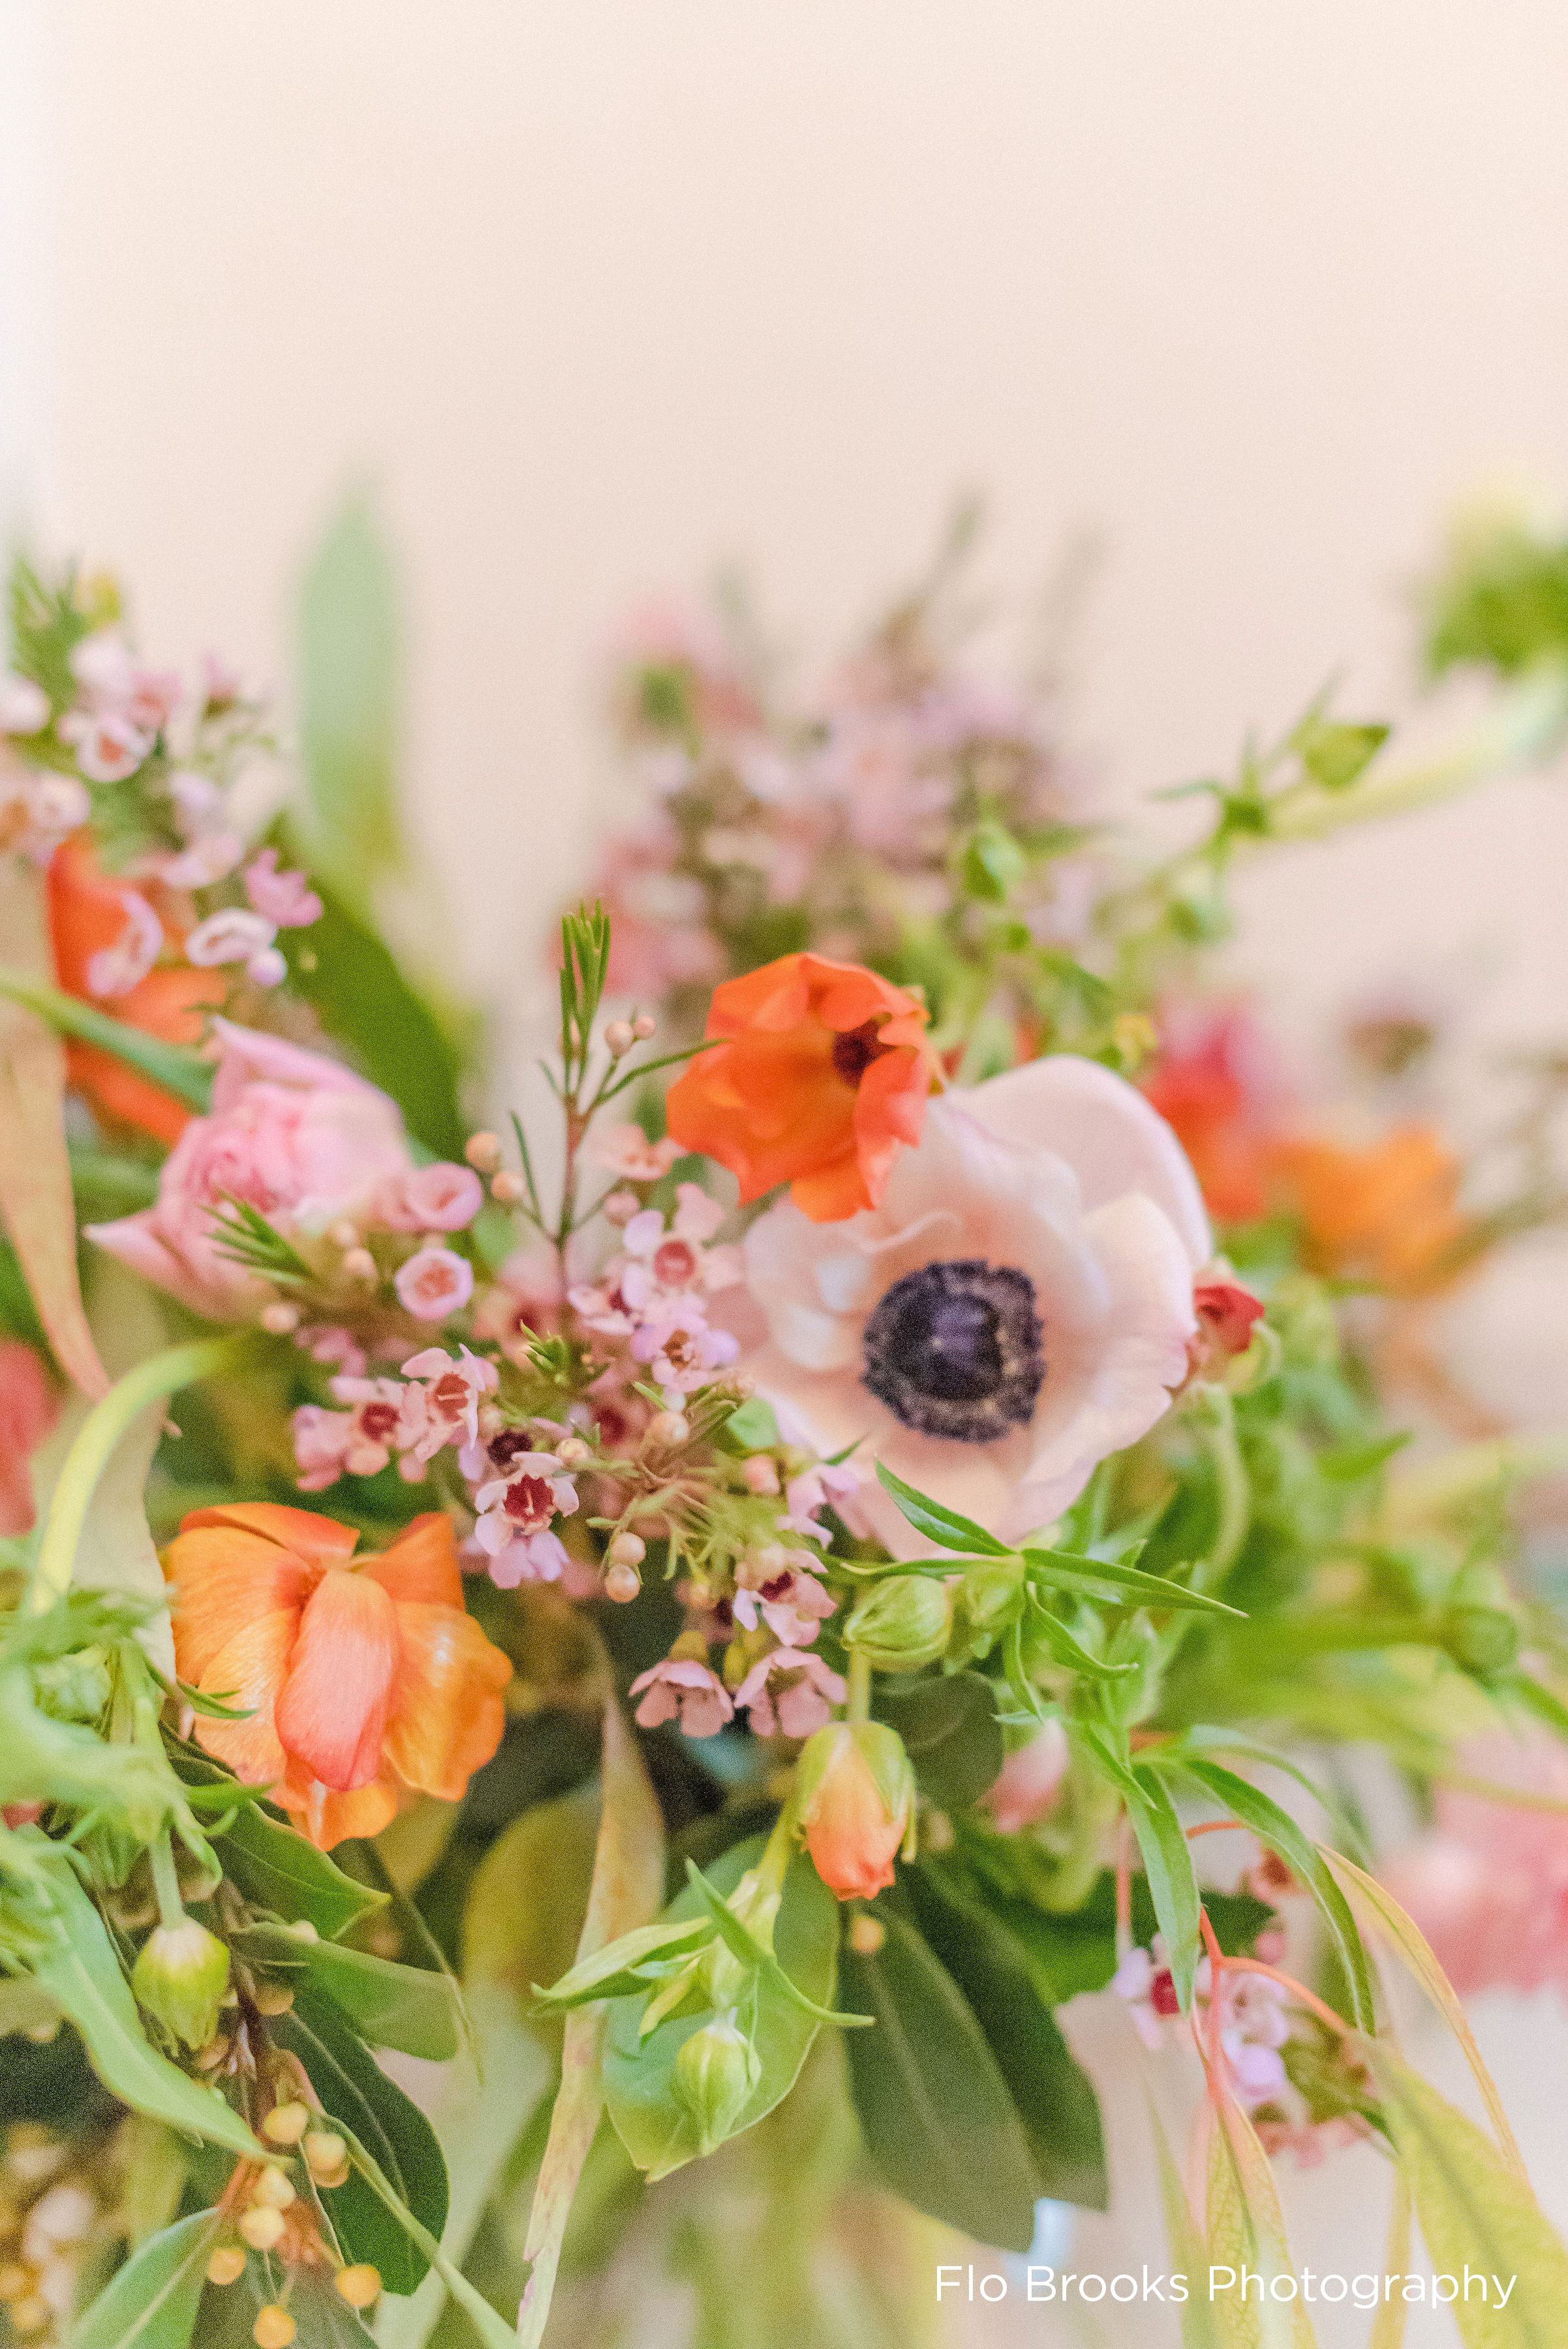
1075,1950
933,2106
612,1971
38,1206
358,2097
406,2007
1474,2210
178,1068
358,989
751,1428
1276,1828
492,2329
350,651
652,2124
942,1526
274,1867
1335,755
80,1971
1071,1654
1167,1857
1246,2231
1011,2002
1103,1578
1187,2257
951,1734
115,1549
151,2302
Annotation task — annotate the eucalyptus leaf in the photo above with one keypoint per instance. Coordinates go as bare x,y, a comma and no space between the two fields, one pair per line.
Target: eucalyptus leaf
933,2106
419,2013
80,1971
358,2097
152,2301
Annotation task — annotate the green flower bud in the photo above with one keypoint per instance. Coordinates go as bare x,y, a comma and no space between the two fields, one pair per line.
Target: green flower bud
904,1622
989,1597
74,1687
716,2069
179,1976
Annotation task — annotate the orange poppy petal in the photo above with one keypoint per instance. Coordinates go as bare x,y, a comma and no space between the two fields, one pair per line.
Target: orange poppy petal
332,1713
224,1579
447,1714
247,1673
831,1193
310,1535
421,1567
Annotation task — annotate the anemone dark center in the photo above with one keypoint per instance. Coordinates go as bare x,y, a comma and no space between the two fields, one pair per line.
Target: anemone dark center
855,1049
956,1349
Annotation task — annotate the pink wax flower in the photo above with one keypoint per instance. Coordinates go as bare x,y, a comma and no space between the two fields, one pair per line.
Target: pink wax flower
1490,1887
682,1686
297,1135
790,1693
23,706
440,1198
445,1401
524,1492
778,1586
29,1405
434,1283
1030,1782
626,1151
287,899
109,747
116,970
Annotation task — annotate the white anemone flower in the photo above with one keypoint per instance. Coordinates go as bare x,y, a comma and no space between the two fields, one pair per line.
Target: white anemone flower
1017,1309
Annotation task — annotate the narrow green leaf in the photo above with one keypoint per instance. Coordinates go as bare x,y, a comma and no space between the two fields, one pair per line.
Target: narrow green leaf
80,1971
360,2100
419,2013
1105,1579
1277,1829
348,660
492,2329
933,2106
178,1068
1246,2230
1187,2254
1167,1861
1474,2210
151,2302
942,1526
1071,1652
625,1965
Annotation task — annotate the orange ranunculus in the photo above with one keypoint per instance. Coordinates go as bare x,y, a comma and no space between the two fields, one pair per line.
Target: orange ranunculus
1387,1214
820,1073
1205,1092
363,1675
87,915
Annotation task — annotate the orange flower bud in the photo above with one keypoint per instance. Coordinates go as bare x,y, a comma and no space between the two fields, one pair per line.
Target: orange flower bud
854,1795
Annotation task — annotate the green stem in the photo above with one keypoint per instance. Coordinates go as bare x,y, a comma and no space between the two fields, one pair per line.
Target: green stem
1235,1491
166,1883
110,1420
859,1706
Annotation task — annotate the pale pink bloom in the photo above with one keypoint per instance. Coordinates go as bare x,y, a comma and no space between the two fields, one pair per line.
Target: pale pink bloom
434,1283
359,1440
680,1349
1145,1980
321,1443
1048,1223
531,1558
57,805
440,1198
297,1135
450,1394
1490,1887
722,1267
23,706
267,969
604,1307
680,1685
789,1695
109,747
827,1486
1310,2142
285,898
152,699
787,1595
625,1151
196,797
211,856
232,935
1254,2027
116,970
525,1296
104,665
523,1498
338,1347
1030,1782
697,1216
222,684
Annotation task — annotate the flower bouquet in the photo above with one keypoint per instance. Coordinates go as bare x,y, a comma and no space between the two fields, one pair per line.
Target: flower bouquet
597,1683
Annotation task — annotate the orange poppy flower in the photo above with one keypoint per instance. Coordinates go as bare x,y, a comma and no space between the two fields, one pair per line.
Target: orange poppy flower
820,1075
1387,1214
87,916
363,1675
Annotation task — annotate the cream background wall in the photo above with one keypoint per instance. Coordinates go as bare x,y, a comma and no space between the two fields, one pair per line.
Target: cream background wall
595,294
